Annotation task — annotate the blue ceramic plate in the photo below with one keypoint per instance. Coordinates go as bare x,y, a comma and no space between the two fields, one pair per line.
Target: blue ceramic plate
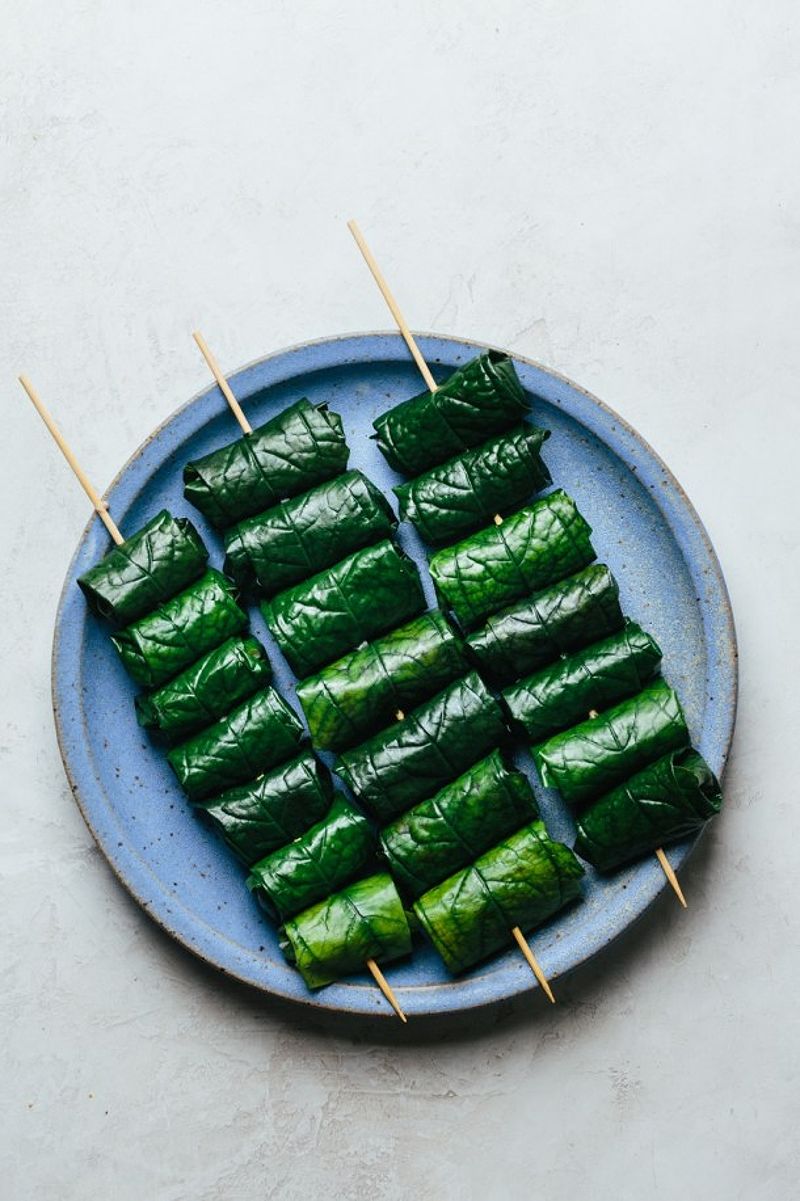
644,528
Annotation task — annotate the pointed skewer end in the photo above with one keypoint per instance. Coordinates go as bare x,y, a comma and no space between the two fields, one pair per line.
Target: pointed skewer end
387,990
533,964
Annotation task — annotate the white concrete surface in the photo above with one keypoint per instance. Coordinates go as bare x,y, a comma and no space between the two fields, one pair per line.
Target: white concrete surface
611,188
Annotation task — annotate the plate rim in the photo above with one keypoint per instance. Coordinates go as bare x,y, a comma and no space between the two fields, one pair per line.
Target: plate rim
372,1005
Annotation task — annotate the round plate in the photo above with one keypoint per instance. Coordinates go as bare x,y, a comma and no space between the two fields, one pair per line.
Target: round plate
644,528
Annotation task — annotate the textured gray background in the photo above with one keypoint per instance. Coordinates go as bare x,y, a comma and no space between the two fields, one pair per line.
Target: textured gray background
610,188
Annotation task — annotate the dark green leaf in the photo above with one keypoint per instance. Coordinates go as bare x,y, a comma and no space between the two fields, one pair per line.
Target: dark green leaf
337,936
305,535
592,678
148,568
363,691
258,735
367,593
465,493
157,647
670,799
265,814
432,745
299,448
598,754
535,547
482,398
464,819
207,690
323,859
535,631
520,882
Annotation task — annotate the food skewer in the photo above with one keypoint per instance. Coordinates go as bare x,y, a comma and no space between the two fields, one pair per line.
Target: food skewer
222,383
431,384
101,509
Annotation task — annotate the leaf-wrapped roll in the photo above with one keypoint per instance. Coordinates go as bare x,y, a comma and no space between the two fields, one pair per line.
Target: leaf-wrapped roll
321,619
600,753
482,398
464,819
465,493
257,818
303,536
593,678
319,862
261,733
670,799
148,568
363,691
533,632
300,447
207,690
520,882
156,647
336,937
433,744
533,548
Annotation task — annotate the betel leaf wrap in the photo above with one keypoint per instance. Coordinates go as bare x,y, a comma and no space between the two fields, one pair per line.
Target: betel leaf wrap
363,691
300,447
257,818
593,678
316,864
148,568
433,744
596,755
531,549
207,690
533,632
482,398
521,882
335,937
366,594
463,819
465,493
156,647
306,534
262,732
670,799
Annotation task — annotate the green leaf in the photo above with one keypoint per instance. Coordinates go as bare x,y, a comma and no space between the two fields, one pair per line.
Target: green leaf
602,752
207,690
464,819
158,646
432,745
668,800
533,632
148,568
460,496
482,398
363,691
300,447
327,856
534,548
521,882
364,595
257,818
593,678
337,936
303,536
261,733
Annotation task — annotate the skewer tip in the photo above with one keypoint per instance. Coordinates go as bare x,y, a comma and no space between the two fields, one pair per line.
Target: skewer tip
533,964
387,990
669,872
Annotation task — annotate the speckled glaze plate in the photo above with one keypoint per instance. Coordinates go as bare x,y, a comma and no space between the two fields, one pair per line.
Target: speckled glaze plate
180,873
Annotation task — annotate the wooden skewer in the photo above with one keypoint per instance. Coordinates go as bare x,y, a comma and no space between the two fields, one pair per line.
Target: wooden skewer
386,988
224,387
533,964
393,306
99,505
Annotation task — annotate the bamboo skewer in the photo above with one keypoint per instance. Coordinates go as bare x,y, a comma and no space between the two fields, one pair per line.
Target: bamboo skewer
99,505
223,384
425,372
101,509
